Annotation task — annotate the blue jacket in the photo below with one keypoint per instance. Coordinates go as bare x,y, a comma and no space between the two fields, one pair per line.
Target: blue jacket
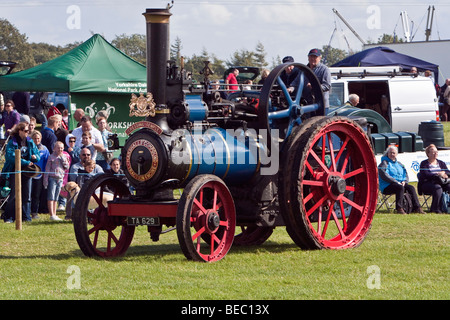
390,171
10,154
48,138
44,154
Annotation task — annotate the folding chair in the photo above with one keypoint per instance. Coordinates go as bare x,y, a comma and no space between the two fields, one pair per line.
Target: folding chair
426,197
386,201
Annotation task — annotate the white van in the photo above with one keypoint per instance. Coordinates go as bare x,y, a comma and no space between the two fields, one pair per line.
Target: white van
403,99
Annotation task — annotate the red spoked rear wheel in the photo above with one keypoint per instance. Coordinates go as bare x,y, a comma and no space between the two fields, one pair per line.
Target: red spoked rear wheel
206,219
330,187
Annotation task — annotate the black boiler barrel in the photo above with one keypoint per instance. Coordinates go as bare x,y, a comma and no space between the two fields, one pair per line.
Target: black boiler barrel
157,52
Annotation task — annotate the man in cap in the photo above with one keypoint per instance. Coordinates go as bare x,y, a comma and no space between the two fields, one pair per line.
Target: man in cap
289,74
321,71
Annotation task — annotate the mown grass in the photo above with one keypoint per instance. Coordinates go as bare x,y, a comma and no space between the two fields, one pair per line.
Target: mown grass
411,252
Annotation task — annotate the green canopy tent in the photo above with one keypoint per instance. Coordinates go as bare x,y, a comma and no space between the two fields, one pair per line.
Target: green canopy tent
97,76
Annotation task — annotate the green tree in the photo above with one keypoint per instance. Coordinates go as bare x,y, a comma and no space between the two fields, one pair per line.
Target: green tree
332,55
260,56
276,62
242,57
175,51
134,46
43,52
386,38
14,46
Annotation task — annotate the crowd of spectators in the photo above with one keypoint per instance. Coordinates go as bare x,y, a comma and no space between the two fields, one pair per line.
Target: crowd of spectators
60,153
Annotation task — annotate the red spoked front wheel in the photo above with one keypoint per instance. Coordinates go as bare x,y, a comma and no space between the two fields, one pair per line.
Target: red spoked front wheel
97,233
330,186
206,219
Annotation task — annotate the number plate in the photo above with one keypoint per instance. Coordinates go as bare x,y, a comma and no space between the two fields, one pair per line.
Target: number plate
143,221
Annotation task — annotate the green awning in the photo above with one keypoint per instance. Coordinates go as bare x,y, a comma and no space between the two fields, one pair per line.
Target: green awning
94,66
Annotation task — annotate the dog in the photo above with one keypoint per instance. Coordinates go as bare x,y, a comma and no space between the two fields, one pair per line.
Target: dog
73,189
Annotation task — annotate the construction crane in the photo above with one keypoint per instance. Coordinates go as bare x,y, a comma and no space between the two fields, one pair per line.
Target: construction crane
406,27
349,26
429,22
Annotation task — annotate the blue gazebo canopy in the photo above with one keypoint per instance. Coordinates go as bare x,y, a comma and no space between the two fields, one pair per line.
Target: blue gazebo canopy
383,56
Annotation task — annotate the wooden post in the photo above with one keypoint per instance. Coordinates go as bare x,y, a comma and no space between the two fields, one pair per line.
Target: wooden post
18,190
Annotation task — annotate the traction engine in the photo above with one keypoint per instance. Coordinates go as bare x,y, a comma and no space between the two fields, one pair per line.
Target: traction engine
257,160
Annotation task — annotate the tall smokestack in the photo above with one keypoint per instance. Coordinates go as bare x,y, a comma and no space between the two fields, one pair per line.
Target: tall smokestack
157,52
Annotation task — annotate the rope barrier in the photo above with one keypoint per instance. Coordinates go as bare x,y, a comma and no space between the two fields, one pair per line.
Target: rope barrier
43,172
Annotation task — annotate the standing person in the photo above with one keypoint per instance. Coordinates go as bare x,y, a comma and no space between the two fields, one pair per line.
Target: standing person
61,132
85,155
394,180
289,75
65,117
10,117
22,101
49,137
57,163
32,125
115,169
37,182
29,156
264,74
86,126
71,149
77,115
322,72
103,127
433,173
232,80
76,171
446,101
2,108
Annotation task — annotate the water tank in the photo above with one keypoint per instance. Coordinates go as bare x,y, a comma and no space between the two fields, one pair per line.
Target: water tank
432,132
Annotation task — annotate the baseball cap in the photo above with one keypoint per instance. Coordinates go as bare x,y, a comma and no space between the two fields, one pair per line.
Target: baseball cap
314,52
288,59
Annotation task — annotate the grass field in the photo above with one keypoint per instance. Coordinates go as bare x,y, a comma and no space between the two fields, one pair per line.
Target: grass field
403,257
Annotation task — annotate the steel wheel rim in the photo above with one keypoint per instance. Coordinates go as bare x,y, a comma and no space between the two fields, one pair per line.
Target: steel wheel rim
212,223
323,177
97,233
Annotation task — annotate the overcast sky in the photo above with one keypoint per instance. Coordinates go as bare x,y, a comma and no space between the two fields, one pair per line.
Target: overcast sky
289,27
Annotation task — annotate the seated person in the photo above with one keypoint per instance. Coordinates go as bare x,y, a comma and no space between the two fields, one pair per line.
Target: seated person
394,180
432,175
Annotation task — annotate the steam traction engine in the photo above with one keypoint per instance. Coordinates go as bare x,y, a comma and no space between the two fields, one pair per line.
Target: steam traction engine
258,160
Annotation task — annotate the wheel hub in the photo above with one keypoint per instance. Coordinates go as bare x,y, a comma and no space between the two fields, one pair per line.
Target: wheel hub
213,221
337,185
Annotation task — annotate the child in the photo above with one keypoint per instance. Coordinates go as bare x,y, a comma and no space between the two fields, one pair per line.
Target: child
57,163
86,142
87,173
65,117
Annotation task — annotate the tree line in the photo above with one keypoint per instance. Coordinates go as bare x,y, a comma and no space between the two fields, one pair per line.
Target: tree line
14,46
